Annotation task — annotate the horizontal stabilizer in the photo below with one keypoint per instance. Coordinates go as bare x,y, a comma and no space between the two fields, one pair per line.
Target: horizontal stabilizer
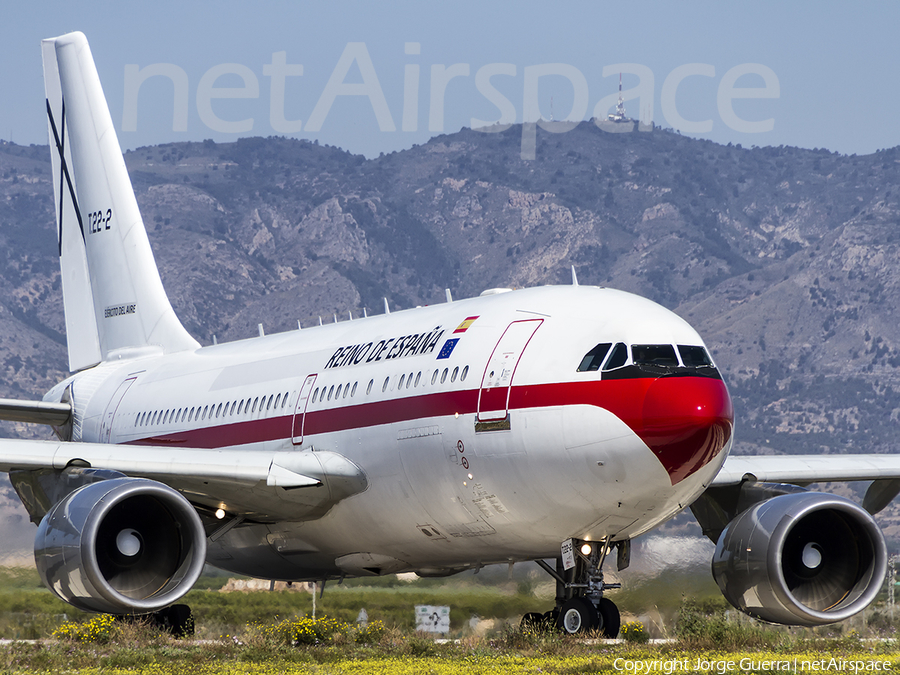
35,412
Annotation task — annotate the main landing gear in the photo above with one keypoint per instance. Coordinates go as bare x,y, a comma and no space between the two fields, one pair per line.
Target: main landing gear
176,620
580,605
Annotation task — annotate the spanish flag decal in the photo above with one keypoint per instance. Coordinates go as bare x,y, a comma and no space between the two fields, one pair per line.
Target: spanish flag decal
464,326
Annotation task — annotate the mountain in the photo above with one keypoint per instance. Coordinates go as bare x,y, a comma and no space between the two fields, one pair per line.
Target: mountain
782,258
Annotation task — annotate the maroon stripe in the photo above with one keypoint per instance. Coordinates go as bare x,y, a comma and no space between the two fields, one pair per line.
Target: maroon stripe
665,421
623,398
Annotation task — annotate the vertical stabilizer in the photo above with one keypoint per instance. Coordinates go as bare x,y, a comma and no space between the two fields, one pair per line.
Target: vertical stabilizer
114,299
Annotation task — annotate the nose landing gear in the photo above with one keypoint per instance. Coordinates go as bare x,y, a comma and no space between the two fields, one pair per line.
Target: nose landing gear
580,605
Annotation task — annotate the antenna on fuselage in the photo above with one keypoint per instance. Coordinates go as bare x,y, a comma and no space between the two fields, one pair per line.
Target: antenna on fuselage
299,327
334,314
447,293
262,333
387,310
320,320
365,313
574,277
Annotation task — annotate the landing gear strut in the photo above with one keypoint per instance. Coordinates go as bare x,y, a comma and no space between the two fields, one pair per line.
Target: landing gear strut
580,605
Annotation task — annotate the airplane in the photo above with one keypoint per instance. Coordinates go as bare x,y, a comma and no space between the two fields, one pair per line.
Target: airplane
552,423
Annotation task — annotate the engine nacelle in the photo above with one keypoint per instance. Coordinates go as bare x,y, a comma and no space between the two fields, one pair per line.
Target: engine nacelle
803,559
121,546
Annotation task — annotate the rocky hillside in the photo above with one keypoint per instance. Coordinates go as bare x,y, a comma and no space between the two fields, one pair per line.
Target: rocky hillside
782,258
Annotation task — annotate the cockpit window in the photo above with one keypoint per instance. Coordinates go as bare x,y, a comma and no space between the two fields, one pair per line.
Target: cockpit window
594,358
618,358
694,357
654,355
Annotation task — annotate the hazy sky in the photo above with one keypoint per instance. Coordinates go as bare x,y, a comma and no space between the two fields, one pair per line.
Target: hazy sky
380,76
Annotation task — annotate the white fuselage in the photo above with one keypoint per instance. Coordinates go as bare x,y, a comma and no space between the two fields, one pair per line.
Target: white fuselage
493,448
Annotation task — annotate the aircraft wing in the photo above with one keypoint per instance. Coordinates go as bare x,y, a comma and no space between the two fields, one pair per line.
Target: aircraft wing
152,462
260,485
805,469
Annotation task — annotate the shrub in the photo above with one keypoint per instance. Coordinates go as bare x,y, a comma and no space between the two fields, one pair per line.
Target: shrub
707,625
371,633
303,630
633,631
99,629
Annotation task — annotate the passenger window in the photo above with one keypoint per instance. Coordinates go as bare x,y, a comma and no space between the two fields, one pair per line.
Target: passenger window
284,400
330,392
594,358
218,410
462,377
402,378
337,394
453,375
385,385
346,389
205,410
191,415
233,404
654,355
269,404
154,419
353,391
240,407
255,401
409,381
418,377
694,357
434,377
444,376
369,388
618,358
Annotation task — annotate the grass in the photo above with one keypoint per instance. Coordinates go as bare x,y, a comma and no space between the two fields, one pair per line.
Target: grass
264,632
327,646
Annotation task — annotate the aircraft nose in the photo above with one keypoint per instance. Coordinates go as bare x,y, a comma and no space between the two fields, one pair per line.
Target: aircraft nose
686,422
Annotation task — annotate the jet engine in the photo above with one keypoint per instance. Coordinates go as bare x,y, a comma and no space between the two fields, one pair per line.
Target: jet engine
121,546
804,559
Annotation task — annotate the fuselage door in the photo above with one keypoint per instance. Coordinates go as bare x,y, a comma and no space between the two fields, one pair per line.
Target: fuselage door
493,398
110,413
300,409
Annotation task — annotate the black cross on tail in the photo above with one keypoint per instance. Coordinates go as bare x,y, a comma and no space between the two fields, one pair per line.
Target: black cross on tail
59,139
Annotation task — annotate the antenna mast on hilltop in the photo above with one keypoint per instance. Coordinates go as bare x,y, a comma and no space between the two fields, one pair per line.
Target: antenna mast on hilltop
619,115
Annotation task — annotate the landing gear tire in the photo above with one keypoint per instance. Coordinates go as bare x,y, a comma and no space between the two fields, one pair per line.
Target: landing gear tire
534,621
609,618
577,616
177,620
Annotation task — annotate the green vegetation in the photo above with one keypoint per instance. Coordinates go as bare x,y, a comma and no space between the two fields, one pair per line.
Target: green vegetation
266,632
329,646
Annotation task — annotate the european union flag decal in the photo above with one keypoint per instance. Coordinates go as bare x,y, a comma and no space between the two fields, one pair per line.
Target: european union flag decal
447,349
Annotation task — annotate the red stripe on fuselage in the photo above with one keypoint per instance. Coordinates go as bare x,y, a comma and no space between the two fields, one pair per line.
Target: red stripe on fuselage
685,421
